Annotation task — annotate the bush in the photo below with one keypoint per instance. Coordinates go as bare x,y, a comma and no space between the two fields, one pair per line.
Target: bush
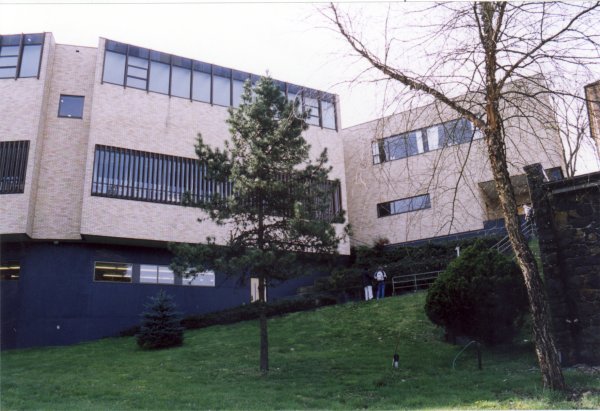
161,324
481,295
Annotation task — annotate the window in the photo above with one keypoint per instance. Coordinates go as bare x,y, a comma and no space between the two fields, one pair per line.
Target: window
114,272
424,140
20,55
404,205
156,274
13,166
554,174
204,279
70,106
158,72
10,271
328,114
144,176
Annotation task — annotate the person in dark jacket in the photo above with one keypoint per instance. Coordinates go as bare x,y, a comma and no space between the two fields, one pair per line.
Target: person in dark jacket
380,277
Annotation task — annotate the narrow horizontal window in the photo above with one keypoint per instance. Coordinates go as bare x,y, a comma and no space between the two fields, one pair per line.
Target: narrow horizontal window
13,166
70,106
404,205
113,272
10,271
204,279
423,140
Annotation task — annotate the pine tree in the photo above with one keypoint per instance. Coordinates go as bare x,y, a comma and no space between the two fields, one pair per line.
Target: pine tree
161,324
280,207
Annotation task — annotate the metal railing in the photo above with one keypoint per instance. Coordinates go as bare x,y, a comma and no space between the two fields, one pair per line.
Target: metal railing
412,282
503,246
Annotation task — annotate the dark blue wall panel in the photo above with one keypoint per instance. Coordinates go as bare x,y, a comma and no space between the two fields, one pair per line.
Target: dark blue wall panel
56,300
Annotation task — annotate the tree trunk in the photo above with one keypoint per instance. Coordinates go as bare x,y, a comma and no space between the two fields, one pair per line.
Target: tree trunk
264,336
494,137
544,341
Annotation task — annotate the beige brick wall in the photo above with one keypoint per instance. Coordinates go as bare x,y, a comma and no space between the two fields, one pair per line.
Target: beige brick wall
451,176
60,193
22,104
134,119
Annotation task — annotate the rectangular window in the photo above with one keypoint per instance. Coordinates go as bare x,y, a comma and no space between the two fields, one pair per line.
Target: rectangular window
311,105
10,271
159,77
328,114
70,106
20,55
156,274
554,174
204,279
13,166
221,86
424,140
404,205
113,272
180,82
114,68
201,86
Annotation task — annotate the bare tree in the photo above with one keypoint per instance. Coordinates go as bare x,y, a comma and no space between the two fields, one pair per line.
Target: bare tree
490,63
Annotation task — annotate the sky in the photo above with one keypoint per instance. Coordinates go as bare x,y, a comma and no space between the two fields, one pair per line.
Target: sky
291,41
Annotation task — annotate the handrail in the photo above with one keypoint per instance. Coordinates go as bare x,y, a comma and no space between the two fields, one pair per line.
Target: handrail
413,281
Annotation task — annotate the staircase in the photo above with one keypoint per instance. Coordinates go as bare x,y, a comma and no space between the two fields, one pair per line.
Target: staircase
503,246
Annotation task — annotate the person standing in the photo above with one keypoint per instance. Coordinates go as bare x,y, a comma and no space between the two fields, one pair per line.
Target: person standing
380,277
367,284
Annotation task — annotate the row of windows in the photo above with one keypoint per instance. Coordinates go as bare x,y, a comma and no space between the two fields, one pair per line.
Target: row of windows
10,271
158,72
424,140
144,176
20,55
404,205
13,166
148,274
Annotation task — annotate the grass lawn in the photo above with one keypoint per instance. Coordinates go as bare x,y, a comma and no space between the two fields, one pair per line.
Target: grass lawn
334,358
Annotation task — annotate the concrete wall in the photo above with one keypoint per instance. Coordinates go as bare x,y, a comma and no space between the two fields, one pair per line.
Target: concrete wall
567,215
453,176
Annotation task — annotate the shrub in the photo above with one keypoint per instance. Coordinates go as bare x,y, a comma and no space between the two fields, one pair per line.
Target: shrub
161,324
481,295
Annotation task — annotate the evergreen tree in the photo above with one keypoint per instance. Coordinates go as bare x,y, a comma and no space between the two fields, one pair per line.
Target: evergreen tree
280,209
161,324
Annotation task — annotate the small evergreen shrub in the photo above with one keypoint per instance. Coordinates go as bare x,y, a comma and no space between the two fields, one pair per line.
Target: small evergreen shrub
480,295
161,324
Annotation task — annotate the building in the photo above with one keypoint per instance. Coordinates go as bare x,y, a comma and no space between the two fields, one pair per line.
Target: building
592,94
96,150
424,174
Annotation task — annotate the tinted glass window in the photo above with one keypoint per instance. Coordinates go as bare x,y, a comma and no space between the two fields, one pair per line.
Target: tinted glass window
71,106
312,105
180,82
328,114
201,86
159,77
221,91
30,62
205,279
238,90
404,205
114,68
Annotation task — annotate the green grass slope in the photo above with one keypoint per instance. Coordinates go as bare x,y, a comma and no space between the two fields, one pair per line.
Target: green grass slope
334,358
